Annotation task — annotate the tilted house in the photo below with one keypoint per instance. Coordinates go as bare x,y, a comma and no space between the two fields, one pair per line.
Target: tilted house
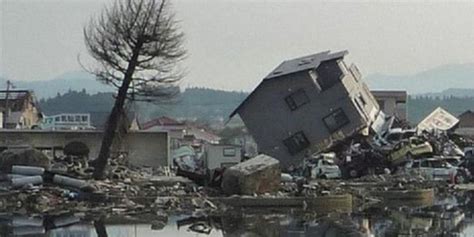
306,105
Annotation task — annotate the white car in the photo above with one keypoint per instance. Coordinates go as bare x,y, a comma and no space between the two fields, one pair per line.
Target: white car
323,166
437,169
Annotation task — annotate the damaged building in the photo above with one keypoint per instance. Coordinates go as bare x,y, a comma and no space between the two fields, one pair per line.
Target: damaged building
306,105
392,102
19,109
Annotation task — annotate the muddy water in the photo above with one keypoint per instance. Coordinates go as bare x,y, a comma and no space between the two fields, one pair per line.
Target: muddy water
449,216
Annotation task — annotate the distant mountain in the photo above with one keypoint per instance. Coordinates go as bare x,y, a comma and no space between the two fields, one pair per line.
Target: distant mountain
75,81
433,80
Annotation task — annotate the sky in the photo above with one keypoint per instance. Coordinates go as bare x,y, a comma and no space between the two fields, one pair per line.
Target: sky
233,44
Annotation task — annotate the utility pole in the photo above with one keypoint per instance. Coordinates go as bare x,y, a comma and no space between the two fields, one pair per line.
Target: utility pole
6,111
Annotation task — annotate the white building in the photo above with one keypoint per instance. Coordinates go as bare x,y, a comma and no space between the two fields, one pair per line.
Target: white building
73,121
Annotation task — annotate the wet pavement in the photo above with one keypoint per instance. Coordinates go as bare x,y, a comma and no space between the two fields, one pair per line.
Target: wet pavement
446,216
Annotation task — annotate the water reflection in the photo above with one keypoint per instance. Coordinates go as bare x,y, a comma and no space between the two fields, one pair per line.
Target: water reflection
447,217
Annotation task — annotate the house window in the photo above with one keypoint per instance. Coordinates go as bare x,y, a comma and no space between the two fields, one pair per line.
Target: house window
296,143
329,74
361,98
229,152
84,118
360,103
336,120
297,99
57,119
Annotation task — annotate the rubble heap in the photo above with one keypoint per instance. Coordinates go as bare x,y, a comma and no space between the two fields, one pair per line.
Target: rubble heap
66,186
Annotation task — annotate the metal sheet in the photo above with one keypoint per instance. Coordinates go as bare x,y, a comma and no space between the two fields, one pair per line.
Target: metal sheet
439,119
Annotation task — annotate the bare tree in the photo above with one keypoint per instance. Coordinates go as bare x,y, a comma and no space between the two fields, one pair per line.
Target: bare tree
137,47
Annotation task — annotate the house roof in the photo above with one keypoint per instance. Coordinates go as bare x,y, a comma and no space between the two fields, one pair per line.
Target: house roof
304,63
16,98
399,95
202,134
295,65
161,121
466,113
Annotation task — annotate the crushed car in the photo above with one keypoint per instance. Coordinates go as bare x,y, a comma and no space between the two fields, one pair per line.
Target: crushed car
409,149
322,166
362,159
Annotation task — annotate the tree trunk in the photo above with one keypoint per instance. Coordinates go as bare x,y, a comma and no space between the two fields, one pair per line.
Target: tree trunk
100,229
111,128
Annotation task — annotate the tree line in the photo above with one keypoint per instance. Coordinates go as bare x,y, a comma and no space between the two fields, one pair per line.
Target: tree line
209,104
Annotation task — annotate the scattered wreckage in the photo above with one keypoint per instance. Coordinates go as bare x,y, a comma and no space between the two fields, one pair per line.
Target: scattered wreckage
339,165
398,148
298,126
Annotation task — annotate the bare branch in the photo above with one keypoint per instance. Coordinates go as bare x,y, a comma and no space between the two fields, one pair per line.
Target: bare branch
113,36
137,47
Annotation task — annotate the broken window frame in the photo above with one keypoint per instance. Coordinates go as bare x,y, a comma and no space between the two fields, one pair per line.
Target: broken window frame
337,125
293,102
296,143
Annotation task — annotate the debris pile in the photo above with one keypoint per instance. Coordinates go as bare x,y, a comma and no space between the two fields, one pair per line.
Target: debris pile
394,149
66,186
8,158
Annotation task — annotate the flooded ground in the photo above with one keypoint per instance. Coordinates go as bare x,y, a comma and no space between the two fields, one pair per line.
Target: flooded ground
446,216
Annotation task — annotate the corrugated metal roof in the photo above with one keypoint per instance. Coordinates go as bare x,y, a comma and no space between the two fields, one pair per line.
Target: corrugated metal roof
304,63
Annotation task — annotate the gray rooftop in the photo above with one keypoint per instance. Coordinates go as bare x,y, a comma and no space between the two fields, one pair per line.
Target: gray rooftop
304,63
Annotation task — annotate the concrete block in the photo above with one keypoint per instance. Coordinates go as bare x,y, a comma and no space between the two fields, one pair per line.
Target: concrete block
259,175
